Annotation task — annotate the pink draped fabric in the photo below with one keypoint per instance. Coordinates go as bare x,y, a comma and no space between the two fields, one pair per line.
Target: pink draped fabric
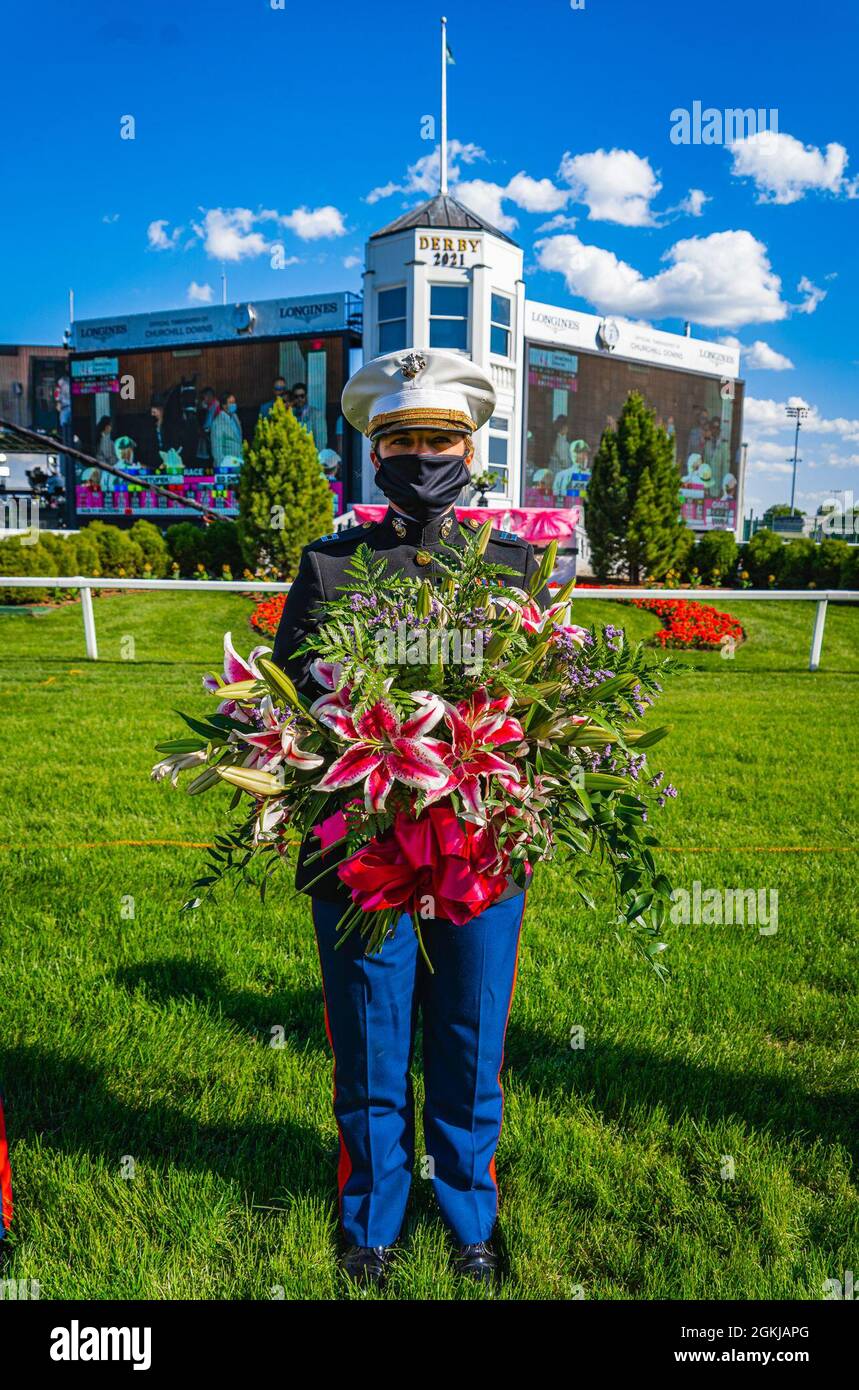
539,525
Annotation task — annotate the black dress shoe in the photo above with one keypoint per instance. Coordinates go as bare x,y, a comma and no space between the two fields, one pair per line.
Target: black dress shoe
366,1264
478,1261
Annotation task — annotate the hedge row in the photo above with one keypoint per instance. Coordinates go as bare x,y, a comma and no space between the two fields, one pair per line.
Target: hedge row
141,552
186,550
768,562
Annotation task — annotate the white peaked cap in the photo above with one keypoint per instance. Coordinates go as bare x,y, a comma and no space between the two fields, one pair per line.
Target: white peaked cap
417,387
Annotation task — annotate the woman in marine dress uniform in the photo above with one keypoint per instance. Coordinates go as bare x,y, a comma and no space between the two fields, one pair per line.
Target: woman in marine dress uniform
420,410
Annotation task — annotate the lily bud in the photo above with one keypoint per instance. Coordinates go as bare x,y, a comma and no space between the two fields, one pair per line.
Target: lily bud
547,564
424,603
566,593
481,540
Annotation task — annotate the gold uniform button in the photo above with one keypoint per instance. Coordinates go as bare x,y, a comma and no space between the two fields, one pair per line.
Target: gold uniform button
422,557
365,525
474,523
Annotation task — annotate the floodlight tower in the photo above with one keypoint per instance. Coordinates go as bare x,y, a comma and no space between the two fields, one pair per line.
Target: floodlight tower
797,413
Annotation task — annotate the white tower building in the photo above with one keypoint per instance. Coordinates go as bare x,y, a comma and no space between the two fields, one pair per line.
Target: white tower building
440,276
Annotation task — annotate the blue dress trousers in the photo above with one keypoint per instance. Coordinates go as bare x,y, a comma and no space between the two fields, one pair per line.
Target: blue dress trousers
371,1010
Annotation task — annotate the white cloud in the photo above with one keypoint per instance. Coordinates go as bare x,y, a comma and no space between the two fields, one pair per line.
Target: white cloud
769,470
111,217
722,281
228,234
813,296
199,294
784,170
560,222
536,195
530,194
769,450
838,461
616,185
350,262
694,202
158,238
760,356
769,417
482,196
485,198
311,224
423,175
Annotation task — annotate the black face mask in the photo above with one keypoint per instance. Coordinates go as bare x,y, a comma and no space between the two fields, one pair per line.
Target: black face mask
424,485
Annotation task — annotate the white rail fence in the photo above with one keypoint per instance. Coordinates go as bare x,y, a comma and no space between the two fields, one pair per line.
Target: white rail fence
820,597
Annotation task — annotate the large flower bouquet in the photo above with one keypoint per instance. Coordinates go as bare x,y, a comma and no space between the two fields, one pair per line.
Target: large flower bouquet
463,737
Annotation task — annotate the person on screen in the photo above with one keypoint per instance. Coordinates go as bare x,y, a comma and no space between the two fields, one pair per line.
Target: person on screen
208,409
279,394
693,465
312,418
104,451
299,402
226,431
699,434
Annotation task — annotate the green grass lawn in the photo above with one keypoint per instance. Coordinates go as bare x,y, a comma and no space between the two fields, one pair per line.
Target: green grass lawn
700,1144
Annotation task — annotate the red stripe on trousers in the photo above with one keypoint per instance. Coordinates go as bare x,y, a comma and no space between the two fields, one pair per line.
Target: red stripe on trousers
506,1021
344,1165
5,1176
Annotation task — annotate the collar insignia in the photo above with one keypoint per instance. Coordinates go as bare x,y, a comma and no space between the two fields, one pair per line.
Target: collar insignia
399,526
446,528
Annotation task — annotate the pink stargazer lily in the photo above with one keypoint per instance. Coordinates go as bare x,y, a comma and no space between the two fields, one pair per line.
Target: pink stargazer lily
277,743
235,670
552,620
383,748
478,726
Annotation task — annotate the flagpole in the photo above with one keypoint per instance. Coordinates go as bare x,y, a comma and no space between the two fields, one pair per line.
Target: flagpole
443,181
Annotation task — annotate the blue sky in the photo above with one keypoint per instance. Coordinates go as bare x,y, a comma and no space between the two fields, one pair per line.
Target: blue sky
303,125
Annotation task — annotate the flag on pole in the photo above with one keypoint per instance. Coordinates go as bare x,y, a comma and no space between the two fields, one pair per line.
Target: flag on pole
449,56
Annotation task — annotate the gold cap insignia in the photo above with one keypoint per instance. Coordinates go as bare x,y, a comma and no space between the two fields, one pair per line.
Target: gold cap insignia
412,363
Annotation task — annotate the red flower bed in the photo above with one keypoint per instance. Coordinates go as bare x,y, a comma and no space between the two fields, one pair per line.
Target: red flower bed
266,616
688,623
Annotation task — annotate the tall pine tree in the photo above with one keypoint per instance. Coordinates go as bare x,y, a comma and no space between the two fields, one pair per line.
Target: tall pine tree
284,498
606,507
632,513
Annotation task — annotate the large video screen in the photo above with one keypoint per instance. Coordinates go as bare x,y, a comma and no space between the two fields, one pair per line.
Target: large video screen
573,396
188,415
